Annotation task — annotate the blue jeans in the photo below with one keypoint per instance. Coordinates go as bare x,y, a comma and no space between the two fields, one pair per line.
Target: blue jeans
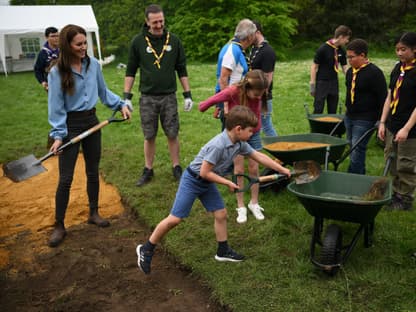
355,130
266,120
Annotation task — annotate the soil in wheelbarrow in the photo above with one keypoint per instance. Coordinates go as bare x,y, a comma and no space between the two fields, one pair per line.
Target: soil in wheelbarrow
328,119
291,146
94,269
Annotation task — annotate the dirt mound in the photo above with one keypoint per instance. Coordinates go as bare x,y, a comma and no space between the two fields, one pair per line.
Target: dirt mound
95,269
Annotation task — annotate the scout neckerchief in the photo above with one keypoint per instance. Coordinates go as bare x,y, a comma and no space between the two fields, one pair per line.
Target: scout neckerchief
354,77
396,91
158,57
242,50
332,45
252,55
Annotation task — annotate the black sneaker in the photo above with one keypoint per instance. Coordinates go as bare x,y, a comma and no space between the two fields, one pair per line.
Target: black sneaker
177,172
146,177
144,259
230,255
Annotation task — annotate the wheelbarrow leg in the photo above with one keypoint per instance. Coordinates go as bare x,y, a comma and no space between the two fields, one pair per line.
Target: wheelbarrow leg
368,234
316,235
353,242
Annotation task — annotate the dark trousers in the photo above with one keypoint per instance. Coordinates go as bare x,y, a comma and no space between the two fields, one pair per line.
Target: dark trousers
91,147
326,90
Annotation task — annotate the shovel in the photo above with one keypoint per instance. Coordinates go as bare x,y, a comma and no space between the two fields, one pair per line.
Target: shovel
304,172
29,166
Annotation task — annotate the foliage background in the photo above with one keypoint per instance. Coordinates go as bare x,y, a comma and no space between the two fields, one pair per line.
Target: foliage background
204,26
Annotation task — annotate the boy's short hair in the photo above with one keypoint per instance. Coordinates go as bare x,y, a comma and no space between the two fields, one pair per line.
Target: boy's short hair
358,46
50,30
240,116
343,30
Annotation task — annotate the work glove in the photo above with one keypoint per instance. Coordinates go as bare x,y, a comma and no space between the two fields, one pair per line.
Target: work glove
127,100
188,103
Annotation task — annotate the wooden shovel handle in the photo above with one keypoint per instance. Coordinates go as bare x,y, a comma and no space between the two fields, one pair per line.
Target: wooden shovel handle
269,178
89,132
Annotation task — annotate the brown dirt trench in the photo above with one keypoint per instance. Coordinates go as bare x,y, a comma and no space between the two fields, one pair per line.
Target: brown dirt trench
94,269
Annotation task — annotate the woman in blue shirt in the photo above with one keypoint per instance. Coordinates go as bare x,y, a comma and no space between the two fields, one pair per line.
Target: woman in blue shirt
75,84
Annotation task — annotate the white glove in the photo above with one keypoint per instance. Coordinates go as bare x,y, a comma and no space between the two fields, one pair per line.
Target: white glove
188,103
127,100
129,105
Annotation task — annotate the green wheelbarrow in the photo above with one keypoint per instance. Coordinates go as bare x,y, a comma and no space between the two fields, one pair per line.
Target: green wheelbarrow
344,197
332,124
336,148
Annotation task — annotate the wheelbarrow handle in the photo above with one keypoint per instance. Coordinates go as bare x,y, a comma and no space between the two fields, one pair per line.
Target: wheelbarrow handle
336,127
81,136
366,134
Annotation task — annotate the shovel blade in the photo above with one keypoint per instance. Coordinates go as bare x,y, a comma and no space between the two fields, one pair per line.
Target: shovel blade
306,171
23,168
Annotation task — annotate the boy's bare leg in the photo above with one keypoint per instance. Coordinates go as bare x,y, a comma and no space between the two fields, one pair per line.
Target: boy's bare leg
220,225
163,228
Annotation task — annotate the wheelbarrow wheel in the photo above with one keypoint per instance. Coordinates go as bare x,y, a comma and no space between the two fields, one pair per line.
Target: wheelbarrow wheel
331,249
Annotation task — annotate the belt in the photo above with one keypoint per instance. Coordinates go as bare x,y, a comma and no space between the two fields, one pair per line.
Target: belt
195,175
78,114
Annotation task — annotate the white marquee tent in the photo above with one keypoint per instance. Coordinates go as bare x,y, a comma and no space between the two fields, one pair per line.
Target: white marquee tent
22,22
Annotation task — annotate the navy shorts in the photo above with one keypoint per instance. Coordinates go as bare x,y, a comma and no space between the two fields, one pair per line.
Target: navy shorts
190,188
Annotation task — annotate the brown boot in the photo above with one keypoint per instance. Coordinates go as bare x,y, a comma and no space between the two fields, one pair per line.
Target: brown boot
97,220
58,235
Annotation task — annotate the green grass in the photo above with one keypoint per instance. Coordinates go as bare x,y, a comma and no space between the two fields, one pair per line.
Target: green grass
278,275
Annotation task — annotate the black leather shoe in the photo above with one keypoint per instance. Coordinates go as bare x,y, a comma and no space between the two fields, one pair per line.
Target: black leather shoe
146,177
177,172
97,220
58,235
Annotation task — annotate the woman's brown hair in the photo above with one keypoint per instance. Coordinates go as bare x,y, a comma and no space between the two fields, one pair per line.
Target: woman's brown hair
66,57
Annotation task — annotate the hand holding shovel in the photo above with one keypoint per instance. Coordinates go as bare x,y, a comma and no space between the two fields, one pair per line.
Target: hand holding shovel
29,166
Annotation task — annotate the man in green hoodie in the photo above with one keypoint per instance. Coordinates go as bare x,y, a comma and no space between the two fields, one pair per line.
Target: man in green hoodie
159,54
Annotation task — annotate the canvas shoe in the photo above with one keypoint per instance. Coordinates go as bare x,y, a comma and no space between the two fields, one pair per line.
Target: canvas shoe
144,259
229,256
242,215
256,209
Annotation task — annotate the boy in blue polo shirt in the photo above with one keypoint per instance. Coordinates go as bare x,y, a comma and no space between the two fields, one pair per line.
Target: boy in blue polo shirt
209,167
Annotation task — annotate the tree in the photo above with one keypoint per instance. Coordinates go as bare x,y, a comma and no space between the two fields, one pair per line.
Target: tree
377,21
205,26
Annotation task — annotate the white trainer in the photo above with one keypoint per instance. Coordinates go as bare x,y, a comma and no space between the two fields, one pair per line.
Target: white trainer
242,215
256,209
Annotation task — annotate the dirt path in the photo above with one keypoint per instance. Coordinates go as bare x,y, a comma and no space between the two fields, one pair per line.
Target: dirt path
94,269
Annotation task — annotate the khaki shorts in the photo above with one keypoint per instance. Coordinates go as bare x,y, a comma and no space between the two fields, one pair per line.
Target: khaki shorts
155,107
